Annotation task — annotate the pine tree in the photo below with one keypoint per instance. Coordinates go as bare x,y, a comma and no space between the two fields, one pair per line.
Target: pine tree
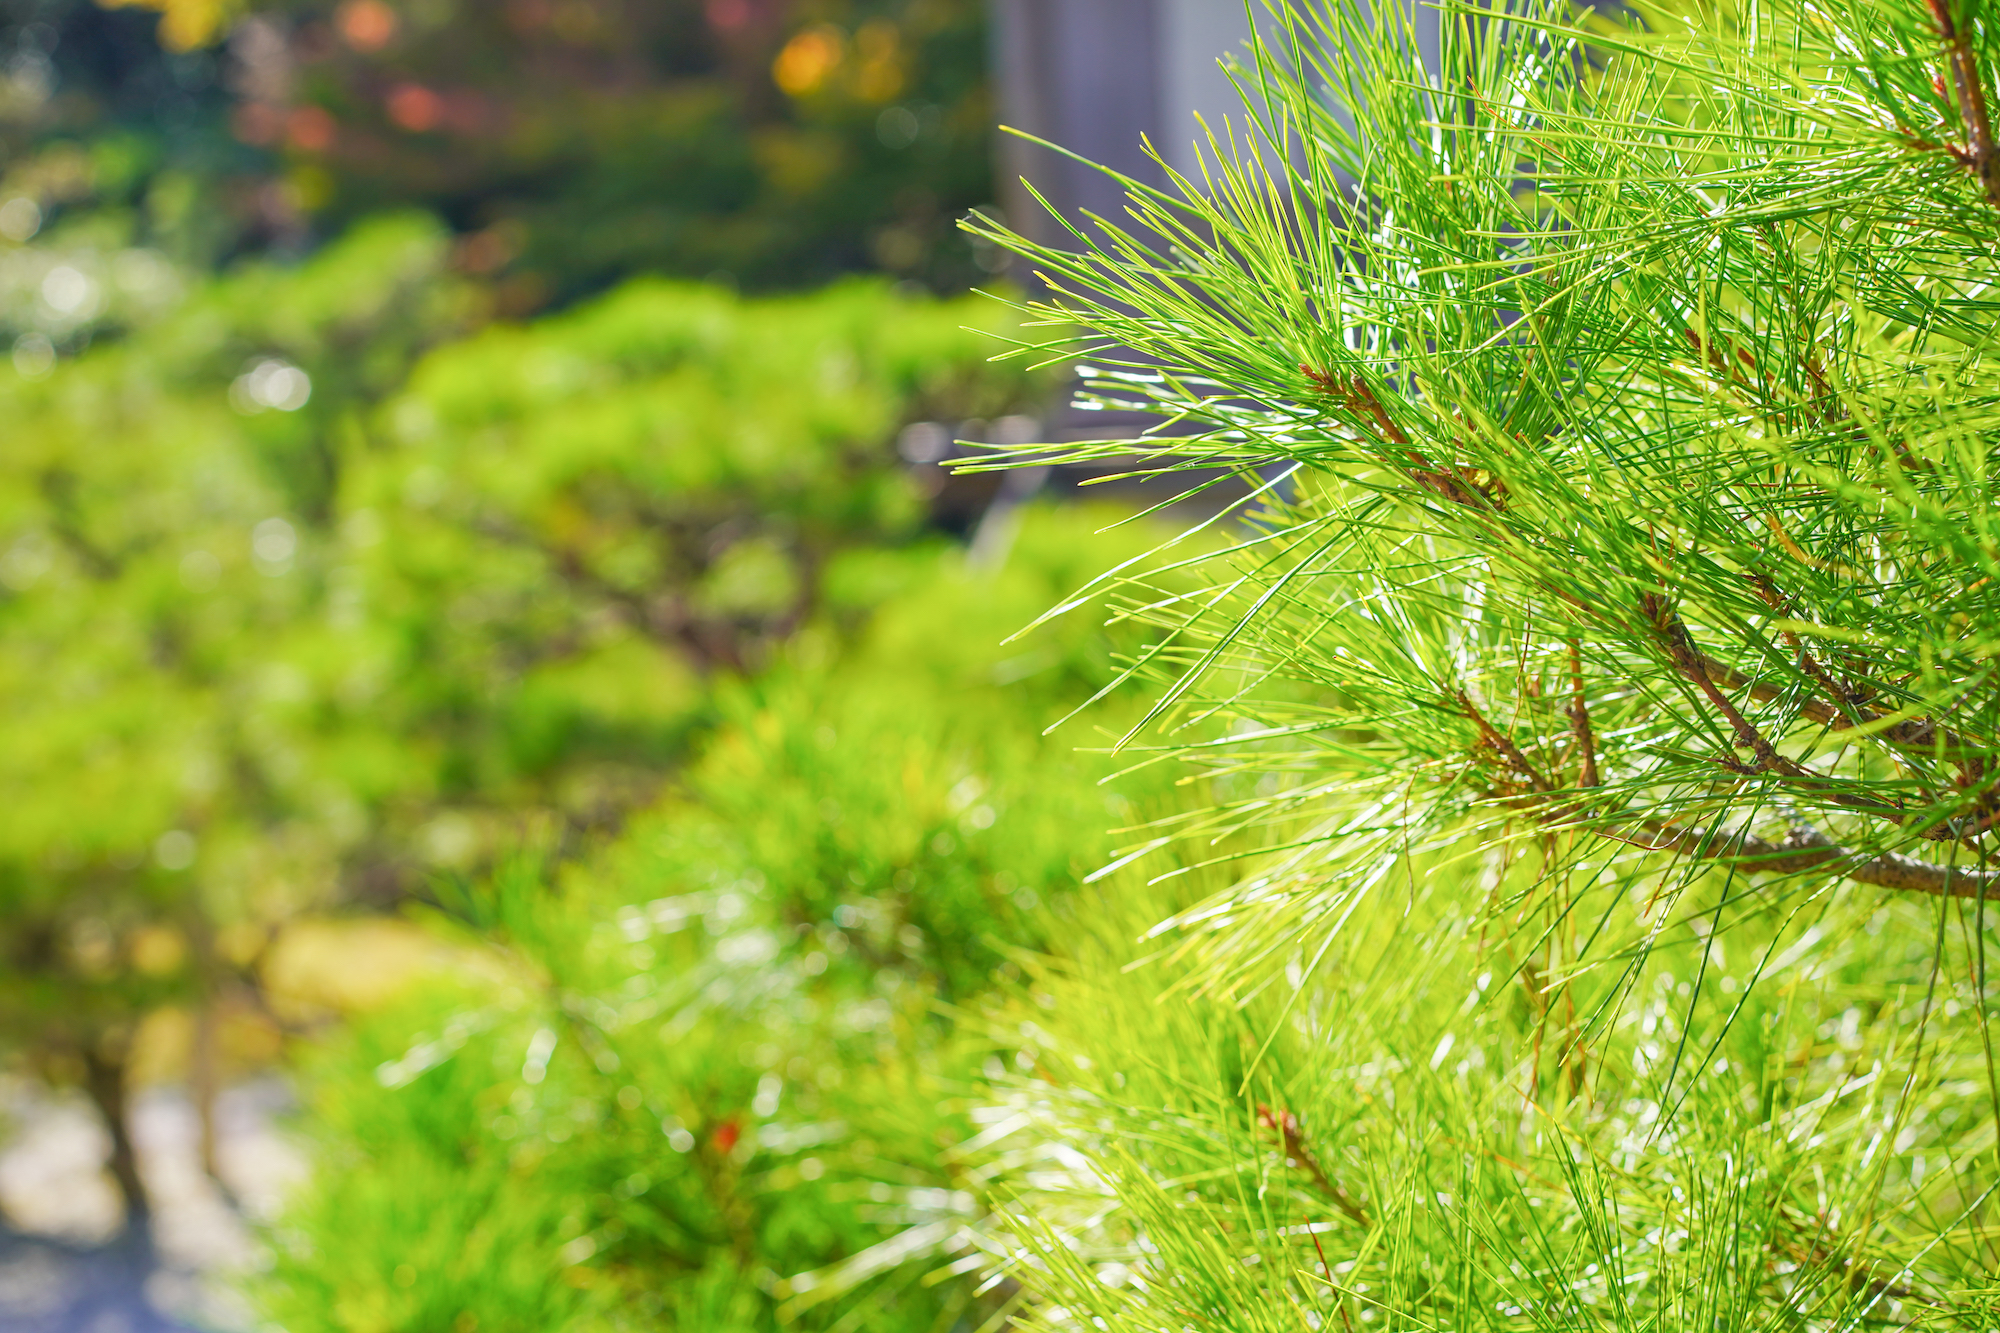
1608,680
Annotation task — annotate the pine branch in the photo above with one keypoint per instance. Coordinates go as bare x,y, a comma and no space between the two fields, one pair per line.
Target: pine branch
1692,664
1688,660
1919,736
1805,849
1491,737
1299,1153
1970,86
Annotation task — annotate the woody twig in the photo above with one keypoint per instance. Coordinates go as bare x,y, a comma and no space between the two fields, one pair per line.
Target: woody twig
1970,86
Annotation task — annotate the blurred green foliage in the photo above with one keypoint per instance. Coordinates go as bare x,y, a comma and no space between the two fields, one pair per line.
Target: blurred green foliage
157,585
281,627
561,532
717,1076
326,581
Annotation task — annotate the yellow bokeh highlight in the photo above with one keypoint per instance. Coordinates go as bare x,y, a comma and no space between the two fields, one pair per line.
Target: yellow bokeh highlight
878,76
317,967
158,951
809,60
185,24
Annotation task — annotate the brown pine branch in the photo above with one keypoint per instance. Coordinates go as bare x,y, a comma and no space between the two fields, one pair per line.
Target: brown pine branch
1693,665
1918,143
1918,735
1970,86
1971,768
1804,849
1850,706
1299,1153
1688,660
1456,483
1491,737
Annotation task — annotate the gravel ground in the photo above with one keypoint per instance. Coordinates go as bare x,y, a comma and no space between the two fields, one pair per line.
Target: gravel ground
63,1266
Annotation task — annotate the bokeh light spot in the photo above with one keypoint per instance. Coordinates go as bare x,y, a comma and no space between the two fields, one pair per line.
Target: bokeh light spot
366,25
809,59
34,356
20,218
270,383
415,107
174,849
311,129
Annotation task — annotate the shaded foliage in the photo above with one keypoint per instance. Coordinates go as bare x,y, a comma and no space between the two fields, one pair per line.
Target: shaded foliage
568,144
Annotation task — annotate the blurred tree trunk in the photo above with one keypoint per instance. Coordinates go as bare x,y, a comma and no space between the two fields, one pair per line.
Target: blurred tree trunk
104,1080
205,1076
205,1059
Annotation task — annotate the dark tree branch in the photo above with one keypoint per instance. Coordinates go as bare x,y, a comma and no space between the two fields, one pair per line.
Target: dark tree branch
1693,664
1688,660
1970,86
1852,711
105,1083
59,490
1803,850
1458,484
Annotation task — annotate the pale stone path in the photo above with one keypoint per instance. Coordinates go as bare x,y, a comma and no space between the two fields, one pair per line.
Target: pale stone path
63,1268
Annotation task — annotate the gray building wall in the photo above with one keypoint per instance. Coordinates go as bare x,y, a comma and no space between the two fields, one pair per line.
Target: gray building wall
1097,76
1195,35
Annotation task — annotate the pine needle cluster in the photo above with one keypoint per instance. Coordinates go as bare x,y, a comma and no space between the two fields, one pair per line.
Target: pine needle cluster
1607,673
